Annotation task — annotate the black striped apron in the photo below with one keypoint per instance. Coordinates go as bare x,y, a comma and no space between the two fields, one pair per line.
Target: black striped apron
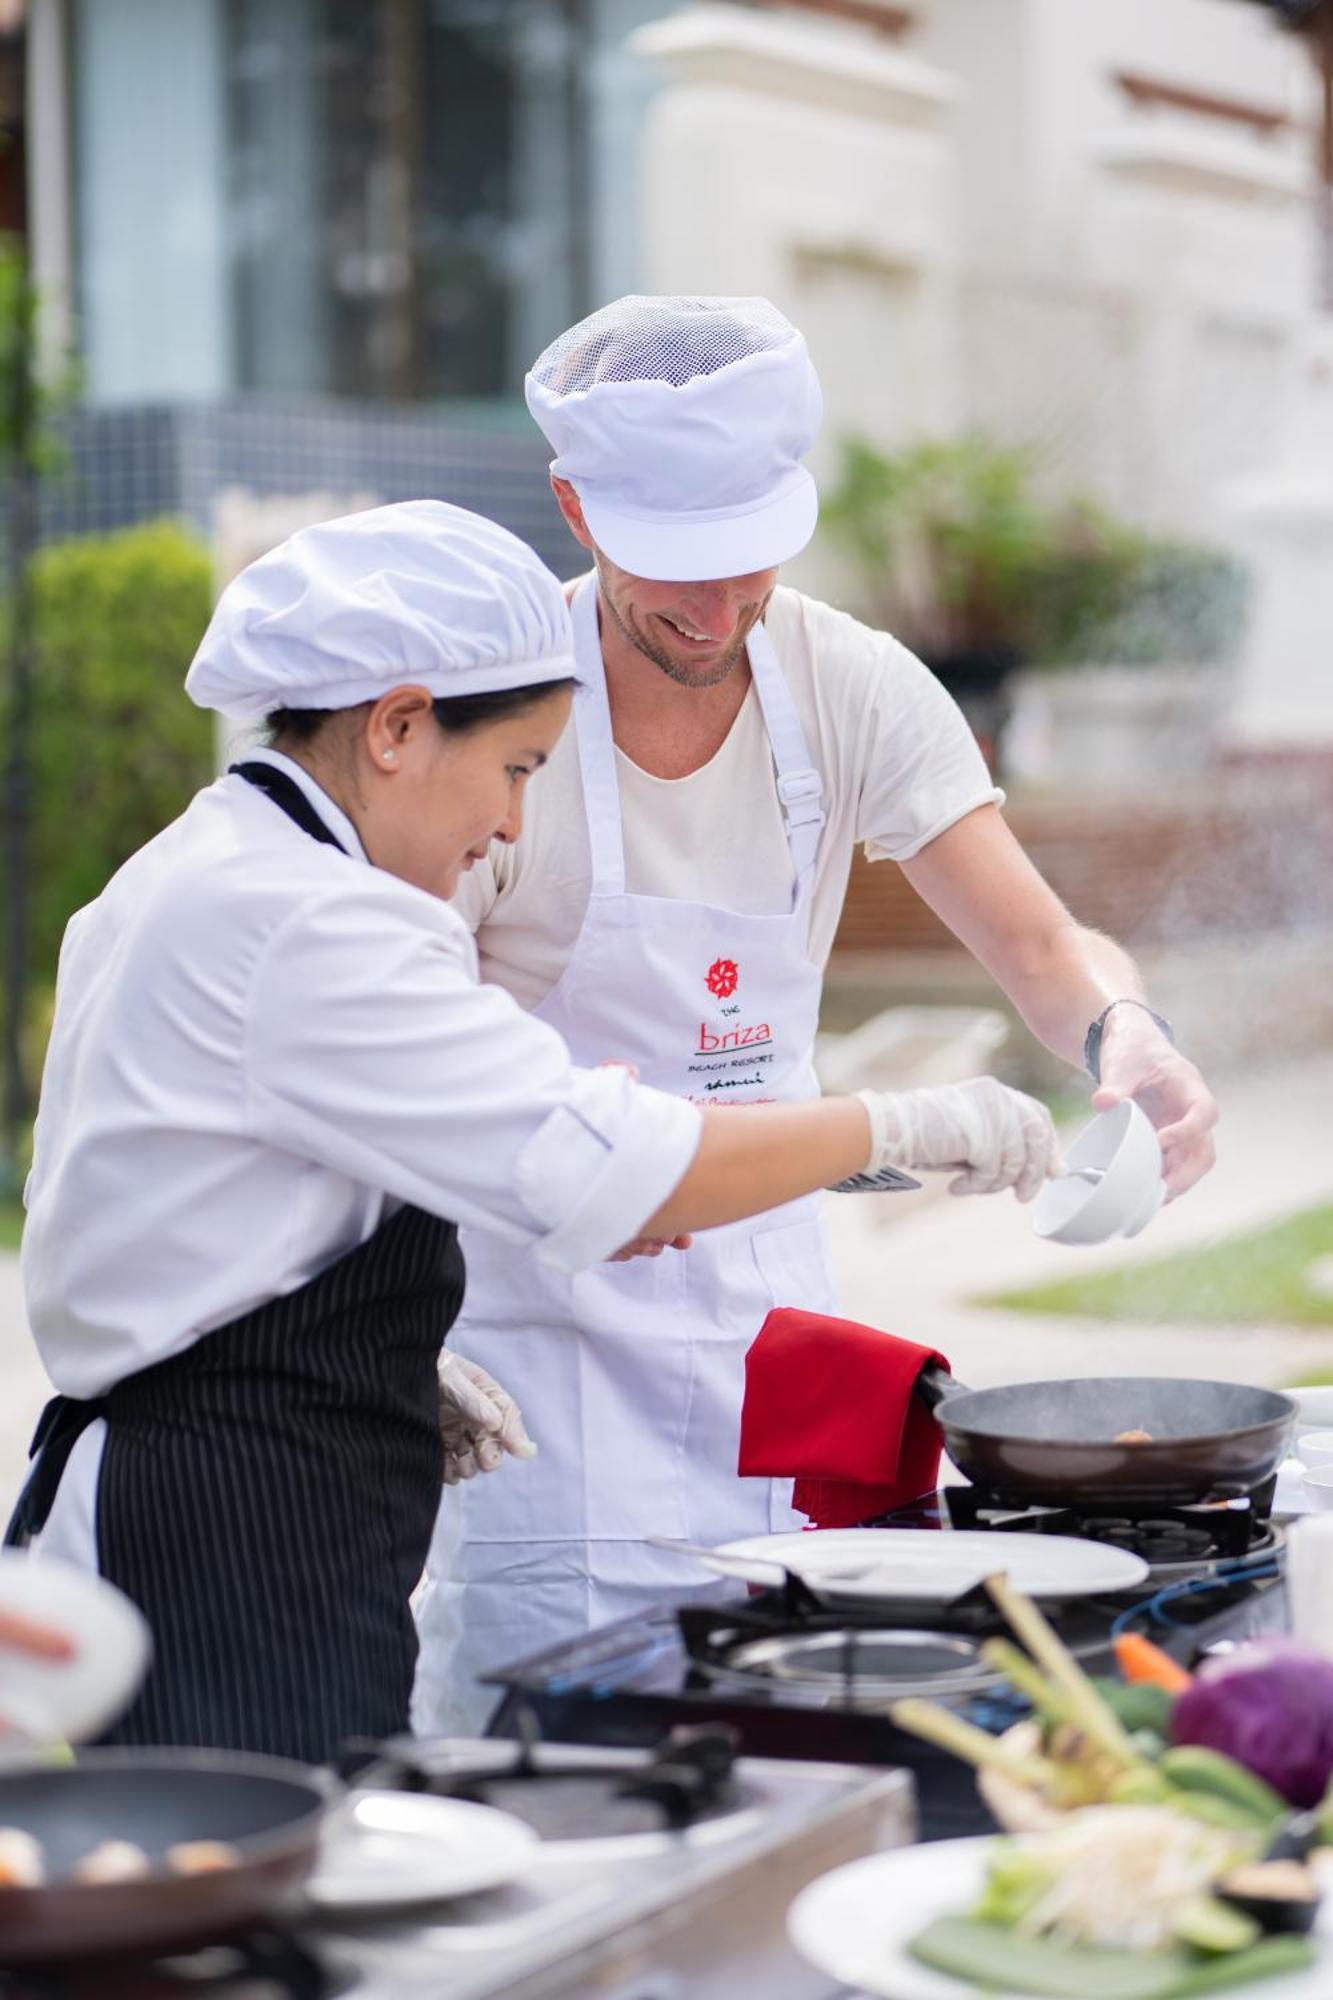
267,1497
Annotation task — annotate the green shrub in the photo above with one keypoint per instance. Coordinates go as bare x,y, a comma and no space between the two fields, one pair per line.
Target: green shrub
118,749
1138,603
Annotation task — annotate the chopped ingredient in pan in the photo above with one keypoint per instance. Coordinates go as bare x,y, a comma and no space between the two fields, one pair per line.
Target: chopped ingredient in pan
113,1861
22,1863
1133,1437
201,1857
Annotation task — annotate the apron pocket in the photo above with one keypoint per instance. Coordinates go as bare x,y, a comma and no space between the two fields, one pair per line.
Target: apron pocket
795,1267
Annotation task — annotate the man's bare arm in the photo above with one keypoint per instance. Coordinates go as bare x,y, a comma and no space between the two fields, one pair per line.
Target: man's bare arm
1061,975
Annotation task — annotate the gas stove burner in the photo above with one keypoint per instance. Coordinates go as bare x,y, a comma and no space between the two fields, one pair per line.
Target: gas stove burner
860,1665
1174,1541
566,1794
858,1659
1157,1542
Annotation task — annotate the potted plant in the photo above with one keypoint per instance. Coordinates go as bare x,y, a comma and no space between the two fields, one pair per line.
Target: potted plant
1130,642
946,536
1098,651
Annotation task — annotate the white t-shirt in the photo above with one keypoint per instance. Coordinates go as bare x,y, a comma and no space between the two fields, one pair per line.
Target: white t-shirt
898,762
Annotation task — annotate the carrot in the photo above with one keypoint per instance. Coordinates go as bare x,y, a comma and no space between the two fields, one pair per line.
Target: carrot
1139,1660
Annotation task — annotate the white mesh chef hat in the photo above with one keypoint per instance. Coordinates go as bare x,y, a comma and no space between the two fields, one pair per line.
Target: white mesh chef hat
681,423
419,592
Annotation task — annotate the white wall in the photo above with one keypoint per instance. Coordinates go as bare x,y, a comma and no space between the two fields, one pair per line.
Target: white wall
809,162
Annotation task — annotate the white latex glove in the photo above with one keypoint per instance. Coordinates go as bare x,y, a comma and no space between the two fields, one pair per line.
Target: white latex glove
999,1137
479,1421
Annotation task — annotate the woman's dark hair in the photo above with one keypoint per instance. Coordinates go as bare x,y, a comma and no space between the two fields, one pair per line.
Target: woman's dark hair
455,714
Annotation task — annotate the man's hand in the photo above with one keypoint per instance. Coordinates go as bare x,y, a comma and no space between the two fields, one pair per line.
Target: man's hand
479,1421
1138,1061
648,1246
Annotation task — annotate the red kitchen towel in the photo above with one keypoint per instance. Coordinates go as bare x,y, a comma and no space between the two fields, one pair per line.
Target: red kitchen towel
830,1404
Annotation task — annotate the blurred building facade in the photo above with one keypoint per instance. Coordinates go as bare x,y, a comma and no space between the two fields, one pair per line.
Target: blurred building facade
313,243
1088,227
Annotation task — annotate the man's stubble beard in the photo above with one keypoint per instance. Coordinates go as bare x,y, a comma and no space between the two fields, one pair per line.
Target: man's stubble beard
675,670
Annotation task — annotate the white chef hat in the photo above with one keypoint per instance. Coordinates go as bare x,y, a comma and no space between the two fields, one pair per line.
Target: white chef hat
681,424
419,592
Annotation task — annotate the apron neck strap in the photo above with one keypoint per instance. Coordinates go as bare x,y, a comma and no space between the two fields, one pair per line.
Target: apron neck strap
287,795
597,749
800,788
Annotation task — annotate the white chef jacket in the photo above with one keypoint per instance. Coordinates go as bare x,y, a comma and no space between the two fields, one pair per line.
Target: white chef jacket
898,763
261,1046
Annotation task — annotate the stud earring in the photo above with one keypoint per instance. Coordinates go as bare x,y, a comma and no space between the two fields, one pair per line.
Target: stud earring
388,756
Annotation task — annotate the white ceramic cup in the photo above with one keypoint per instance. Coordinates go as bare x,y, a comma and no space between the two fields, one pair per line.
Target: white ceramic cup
1317,1486
1314,1449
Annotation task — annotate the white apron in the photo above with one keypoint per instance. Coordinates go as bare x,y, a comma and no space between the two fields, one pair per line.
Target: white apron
630,1376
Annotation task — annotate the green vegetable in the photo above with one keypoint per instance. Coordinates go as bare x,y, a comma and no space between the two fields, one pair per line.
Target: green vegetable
1195,1768
1211,1810
1138,1704
998,1959
934,1724
1015,1882
1210,1925
1087,1711
1023,1674
1140,1788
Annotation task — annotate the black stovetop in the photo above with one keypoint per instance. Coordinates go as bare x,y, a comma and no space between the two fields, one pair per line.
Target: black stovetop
628,1682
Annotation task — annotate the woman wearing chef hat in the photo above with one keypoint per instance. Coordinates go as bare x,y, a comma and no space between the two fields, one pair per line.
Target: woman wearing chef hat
273,1089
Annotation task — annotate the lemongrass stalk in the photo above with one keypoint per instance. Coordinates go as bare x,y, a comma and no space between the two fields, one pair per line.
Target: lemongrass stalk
1087,1710
941,1726
1024,1674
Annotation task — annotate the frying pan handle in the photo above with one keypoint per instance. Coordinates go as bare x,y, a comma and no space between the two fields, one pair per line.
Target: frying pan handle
935,1385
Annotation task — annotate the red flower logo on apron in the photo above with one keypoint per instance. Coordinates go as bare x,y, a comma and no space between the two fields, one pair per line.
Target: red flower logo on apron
723,975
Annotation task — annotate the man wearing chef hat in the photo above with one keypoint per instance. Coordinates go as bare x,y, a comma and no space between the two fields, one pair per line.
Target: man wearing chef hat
671,904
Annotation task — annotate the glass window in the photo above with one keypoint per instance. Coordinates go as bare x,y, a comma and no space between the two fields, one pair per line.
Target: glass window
406,179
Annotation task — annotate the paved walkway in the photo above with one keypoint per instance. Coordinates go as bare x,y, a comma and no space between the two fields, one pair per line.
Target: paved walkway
911,1263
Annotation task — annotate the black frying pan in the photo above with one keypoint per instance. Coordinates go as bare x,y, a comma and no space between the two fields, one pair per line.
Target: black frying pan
1055,1442
269,1810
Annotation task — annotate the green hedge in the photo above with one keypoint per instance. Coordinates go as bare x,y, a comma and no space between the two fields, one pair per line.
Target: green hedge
118,749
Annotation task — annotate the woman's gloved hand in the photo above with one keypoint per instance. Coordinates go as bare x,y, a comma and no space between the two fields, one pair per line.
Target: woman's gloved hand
479,1421
998,1137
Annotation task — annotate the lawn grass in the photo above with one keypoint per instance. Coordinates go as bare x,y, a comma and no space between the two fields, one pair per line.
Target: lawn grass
1259,1279
11,1224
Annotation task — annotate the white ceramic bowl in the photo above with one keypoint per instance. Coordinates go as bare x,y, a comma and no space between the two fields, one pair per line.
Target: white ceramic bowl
1314,1449
1315,1405
1123,1145
1317,1487
70,1699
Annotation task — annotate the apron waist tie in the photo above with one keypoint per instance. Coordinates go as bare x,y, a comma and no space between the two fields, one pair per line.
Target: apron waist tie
59,1428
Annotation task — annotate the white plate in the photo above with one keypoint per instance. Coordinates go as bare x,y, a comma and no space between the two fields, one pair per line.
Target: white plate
931,1565
855,1926
381,1849
68,1700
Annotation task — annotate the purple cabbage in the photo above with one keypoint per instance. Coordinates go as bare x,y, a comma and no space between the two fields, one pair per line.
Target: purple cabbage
1268,1705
